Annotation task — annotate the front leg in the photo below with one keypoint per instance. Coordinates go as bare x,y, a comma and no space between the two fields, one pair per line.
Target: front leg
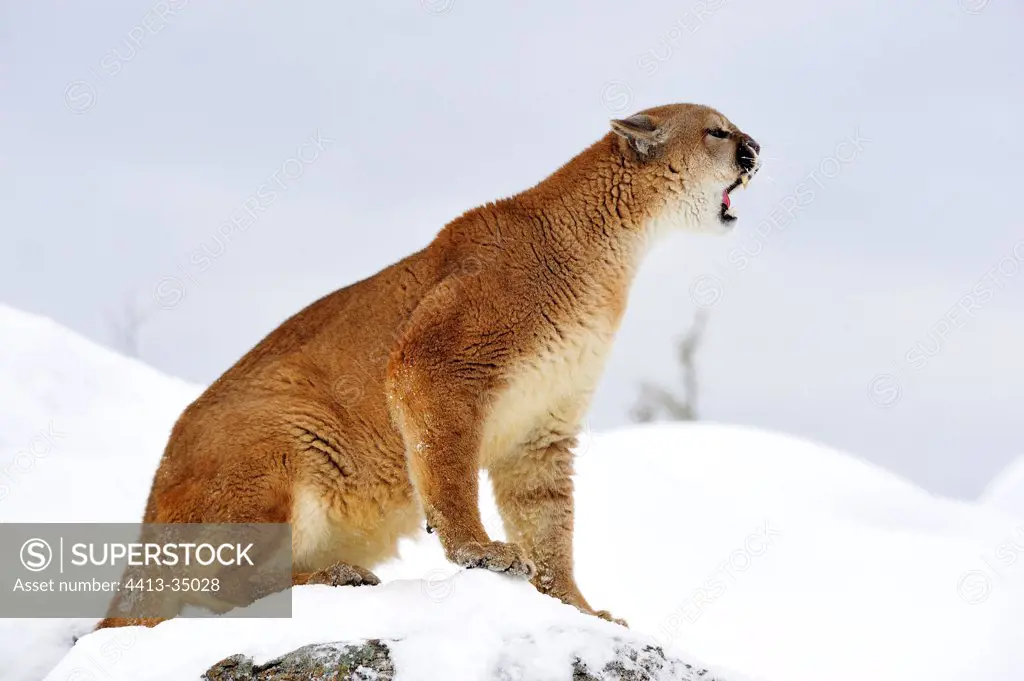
445,472
534,491
442,440
436,377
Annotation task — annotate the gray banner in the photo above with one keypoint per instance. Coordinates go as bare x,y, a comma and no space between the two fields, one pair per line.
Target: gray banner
131,570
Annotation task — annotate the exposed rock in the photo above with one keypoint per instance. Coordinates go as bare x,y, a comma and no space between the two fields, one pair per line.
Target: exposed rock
641,664
371,661
367,661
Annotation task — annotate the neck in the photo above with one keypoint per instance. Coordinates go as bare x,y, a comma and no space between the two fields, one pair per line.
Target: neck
587,218
590,202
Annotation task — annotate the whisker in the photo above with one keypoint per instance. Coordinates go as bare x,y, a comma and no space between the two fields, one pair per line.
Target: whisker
775,160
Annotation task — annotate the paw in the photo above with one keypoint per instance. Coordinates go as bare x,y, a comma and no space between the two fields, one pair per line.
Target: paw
496,556
605,615
342,574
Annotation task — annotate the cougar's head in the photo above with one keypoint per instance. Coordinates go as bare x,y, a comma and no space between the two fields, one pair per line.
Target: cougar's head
686,161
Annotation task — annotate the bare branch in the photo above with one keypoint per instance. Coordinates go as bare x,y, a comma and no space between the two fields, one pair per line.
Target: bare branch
126,326
654,399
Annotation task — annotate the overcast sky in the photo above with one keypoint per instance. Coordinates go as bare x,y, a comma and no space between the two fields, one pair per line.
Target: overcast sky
871,296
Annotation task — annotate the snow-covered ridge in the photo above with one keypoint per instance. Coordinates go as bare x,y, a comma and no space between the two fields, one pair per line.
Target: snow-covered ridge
485,627
1006,491
759,552
81,427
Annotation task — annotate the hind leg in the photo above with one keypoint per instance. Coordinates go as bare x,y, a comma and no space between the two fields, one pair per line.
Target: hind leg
339,574
110,622
224,490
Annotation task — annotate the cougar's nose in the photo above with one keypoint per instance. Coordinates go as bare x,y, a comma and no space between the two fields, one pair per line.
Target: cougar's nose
746,153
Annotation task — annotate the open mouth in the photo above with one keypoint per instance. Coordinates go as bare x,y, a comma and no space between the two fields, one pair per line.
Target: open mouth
725,212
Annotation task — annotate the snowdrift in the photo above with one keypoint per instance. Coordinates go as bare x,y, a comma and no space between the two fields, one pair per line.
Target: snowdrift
1006,491
81,427
475,626
755,552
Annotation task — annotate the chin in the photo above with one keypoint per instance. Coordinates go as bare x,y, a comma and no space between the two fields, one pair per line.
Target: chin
717,225
720,220
699,214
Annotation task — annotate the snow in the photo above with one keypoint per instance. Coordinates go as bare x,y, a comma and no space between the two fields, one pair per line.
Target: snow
758,552
81,427
1006,491
484,620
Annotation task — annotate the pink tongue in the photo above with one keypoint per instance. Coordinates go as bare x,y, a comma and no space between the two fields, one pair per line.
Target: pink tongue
725,199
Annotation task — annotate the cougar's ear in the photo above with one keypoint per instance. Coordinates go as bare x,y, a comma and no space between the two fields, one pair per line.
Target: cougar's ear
642,133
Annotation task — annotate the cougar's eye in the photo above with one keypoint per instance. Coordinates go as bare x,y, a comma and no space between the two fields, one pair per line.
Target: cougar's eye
718,132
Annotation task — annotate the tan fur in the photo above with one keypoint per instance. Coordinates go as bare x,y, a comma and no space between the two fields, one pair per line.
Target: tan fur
378,404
